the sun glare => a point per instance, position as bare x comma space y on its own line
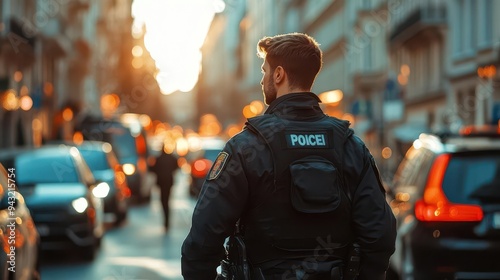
175, 32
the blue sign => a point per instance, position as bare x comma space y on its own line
495, 116
362, 108
392, 90
36, 96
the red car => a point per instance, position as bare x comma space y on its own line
202, 161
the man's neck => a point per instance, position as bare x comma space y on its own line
284, 91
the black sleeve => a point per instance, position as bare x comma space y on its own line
373, 221
219, 206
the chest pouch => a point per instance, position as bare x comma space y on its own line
315, 185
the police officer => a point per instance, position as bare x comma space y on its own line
301, 184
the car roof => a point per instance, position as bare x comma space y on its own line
457, 143
13, 152
9, 157
42, 150
50, 150
87, 145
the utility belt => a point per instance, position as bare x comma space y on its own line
237, 267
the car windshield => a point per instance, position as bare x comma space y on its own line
123, 143
47, 169
96, 160
473, 178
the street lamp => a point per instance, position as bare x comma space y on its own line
331, 99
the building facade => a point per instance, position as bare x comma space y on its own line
57, 58
404, 67
473, 60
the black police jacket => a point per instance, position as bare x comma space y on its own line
243, 175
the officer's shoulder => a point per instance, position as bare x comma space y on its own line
243, 136
341, 124
357, 145
262, 119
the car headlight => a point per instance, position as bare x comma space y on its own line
80, 204
128, 168
101, 190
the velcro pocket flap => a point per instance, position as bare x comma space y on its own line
314, 185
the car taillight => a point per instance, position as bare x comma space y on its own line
435, 206
142, 165
141, 146
121, 184
200, 167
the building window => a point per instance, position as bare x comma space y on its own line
429, 70
485, 24
366, 4
30, 9
488, 19
368, 57
458, 23
468, 110
468, 23
465, 28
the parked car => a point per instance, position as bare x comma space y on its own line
129, 148
105, 167
446, 198
19, 237
63, 196
202, 161
4, 266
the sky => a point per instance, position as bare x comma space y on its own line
175, 32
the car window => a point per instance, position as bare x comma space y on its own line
96, 160
83, 169
411, 175
473, 177
425, 161
48, 169
406, 175
123, 142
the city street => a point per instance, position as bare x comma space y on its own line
98, 99
138, 250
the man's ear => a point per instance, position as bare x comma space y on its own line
279, 74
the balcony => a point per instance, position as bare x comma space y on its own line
413, 17
372, 81
17, 43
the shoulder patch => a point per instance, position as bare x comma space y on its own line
219, 164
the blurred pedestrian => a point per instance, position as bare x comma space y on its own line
305, 190
164, 168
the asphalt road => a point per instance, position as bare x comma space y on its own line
140, 249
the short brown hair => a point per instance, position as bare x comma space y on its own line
299, 54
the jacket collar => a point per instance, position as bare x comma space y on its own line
300, 104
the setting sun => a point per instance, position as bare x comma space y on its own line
175, 32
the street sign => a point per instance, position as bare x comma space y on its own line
495, 116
